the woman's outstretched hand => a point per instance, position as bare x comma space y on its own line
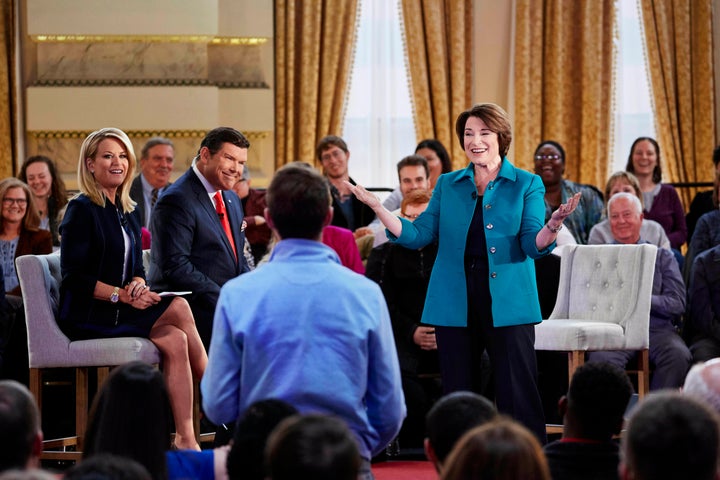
368, 198
564, 210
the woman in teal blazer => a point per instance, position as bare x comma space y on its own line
488, 222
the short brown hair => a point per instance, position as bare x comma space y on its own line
330, 141
496, 119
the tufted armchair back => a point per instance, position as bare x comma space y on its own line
608, 284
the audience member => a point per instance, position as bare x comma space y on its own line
21, 436
348, 211
197, 230
702, 320
703, 382
703, 201
592, 413
343, 242
20, 234
488, 221
48, 191
246, 458
550, 166
413, 175
105, 466
500, 450
302, 326
437, 157
670, 436
650, 230
156, 166
668, 353
403, 275
707, 229
103, 292
130, 417
660, 200
450, 418
253, 202
318, 447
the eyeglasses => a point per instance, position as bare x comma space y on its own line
539, 158
21, 202
409, 216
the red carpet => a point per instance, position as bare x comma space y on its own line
404, 470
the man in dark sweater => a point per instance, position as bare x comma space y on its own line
592, 413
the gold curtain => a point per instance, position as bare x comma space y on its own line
563, 83
438, 40
313, 54
8, 89
678, 35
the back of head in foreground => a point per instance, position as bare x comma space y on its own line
319, 447
450, 418
499, 450
131, 417
20, 434
596, 402
298, 202
246, 458
106, 466
671, 436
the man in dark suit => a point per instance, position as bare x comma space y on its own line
156, 165
191, 249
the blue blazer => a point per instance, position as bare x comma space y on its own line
513, 212
190, 250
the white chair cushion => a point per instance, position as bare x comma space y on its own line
569, 335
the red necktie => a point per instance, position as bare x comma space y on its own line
222, 213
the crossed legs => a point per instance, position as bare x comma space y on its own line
184, 357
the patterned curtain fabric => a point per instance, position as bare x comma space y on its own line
438, 40
678, 35
313, 54
8, 90
563, 83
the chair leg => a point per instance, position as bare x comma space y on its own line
576, 359
643, 373
196, 410
81, 405
36, 386
102, 374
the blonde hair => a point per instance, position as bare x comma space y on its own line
31, 219
86, 180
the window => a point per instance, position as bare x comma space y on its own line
378, 125
633, 113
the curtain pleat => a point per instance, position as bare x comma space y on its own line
314, 44
563, 83
438, 40
8, 90
678, 36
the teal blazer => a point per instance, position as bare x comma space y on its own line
514, 212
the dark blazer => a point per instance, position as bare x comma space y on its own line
703, 316
92, 249
136, 193
190, 250
38, 242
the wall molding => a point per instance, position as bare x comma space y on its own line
75, 134
208, 39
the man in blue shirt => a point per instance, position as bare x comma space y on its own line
304, 329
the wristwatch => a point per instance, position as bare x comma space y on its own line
114, 297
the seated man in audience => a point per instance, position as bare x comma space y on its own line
305, 329
671, 436
592, 412
404, 274
668, 353
703, 382
348, 211
702, 322
317, 447
450, 418
253, 203
703, 201
20, 434
156, 165
413, 172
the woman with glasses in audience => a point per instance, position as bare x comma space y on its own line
20, 234
550, 166
48, 191
103, 291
